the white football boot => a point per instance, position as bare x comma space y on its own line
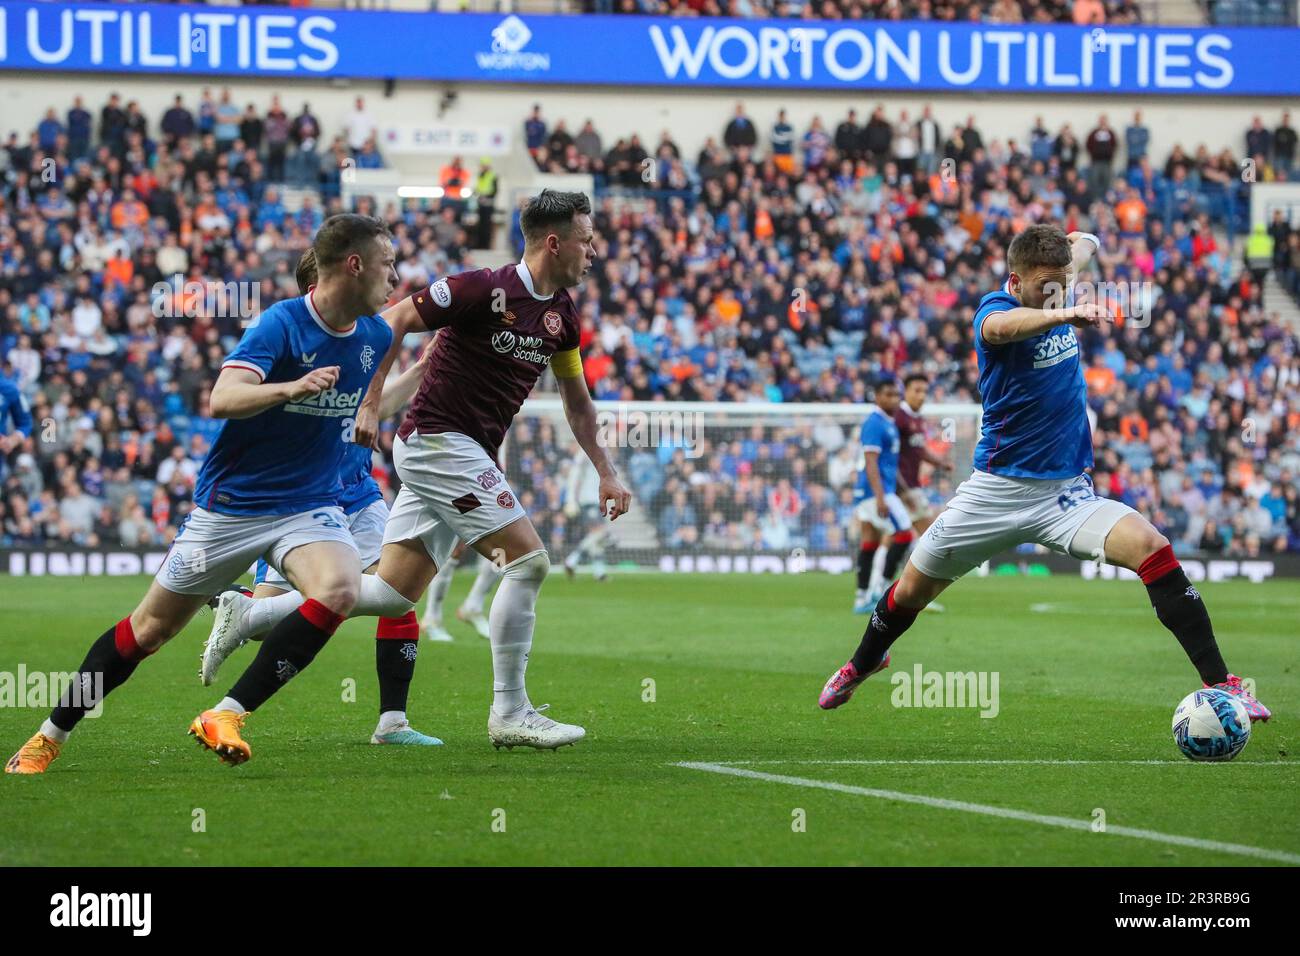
434, 631
528, 728
225, 637
476, 619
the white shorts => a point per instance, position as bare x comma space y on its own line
450, 489
898, 520
367, 527
989, 514
918, 505
211, 550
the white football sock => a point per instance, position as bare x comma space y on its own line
229, 703
438, 590
57, 734
265, 613
391, 720
510, 624
378, 598
488, 573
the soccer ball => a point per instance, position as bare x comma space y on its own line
1211, 725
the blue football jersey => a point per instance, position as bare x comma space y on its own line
1035, 401
289, 458
880, 434
360, 490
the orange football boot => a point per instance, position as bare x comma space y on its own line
218, 731
34, 756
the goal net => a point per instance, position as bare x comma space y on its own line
717, 487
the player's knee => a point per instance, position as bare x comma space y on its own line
340, 595
151, 631
532, 567
1152, 541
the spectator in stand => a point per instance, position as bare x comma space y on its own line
177, 123
359, 126
740, 131
1137, 140
1284, 143
783, 144
227, 117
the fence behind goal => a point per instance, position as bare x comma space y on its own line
716, 486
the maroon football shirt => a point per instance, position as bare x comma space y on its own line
498, 337
911, 440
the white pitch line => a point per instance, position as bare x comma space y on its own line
998, 763
941, 803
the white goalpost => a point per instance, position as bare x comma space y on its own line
717, 486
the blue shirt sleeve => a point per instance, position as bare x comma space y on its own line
873, 434
997, 302
264, 343
17, 406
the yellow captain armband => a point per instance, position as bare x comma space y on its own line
567, 364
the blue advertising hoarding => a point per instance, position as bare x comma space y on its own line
647, 51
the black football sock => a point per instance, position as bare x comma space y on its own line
894, 556
1179, 607
397, 642
888, 622
866, 558
109, 662
289, 647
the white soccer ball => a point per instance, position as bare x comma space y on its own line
1211, 724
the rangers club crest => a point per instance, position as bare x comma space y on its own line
367, 358
552, 322
506, 500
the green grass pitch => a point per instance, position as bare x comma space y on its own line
736, 664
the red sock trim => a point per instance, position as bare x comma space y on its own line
870, 547
895, 607
903, 537
125, 642
1158, 565
320, 616
404, 628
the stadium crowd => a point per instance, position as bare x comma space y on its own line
774, 267
1001, 11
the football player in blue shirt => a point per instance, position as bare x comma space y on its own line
879, 508
1030, 481
268, 488
241, 617
13, 407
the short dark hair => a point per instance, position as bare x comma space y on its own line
887, 381
306, 271
1039, 245
914, 377
342, 235
551, 211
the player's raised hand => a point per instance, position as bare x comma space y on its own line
615, 499
1087, 314
314, 382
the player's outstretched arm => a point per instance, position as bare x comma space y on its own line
241, 393
1017, 324
403, 319
407, 384
580, 410
1083, 246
